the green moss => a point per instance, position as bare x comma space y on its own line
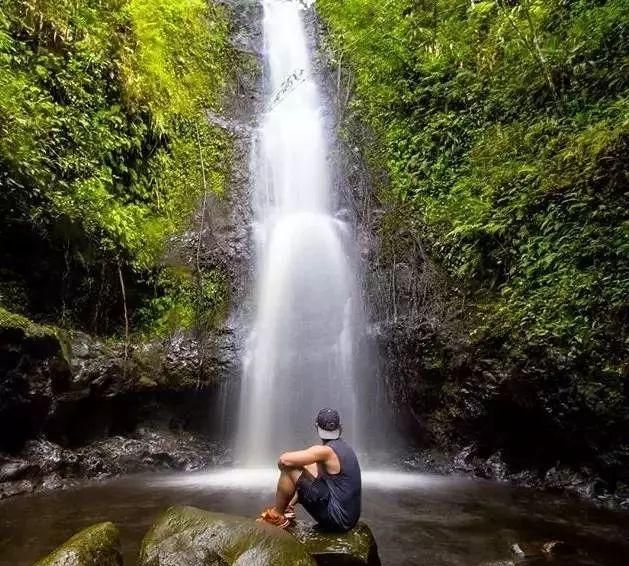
105, 148
182, 534
32, 330
10, 320
356, 547
98, 544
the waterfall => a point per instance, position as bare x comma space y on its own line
302, 350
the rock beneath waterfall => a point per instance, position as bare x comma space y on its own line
187, 536
98, 545
354, 548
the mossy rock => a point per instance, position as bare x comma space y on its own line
98, 545
49, 340
187, 536
353, 548
9, 320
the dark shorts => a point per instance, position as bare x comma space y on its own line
314, 496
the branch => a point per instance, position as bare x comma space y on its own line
126, 317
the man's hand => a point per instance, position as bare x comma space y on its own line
302, 458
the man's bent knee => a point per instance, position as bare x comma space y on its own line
295, 473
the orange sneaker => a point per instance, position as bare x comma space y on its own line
272, 517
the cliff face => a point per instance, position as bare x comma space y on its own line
498, 399
76, 389
75, 405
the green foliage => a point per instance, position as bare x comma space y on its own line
504, 129
103, 133
190, 301
178, 65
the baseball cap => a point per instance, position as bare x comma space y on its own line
328, 424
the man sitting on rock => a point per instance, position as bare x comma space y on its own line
324, 478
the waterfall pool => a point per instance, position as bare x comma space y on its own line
418, 519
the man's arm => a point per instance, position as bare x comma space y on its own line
302, 458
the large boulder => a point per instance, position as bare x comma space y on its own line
353, 548
33, 368
98, 545
186, 536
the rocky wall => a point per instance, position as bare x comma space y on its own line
73, 405
462, 401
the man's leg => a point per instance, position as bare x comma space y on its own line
287, 485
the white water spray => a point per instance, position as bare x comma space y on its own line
301, 352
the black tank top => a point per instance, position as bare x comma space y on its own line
345, 487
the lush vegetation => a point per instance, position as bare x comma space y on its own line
503, 127
104, 154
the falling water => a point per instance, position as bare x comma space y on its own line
302, 348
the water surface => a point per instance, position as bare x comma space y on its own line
417, 519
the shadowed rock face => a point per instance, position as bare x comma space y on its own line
186, 536
78, 408
96, 545
33, 368
84, 390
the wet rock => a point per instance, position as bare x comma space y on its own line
557, 548
11, 470
583, 484
83, 390
493, 468
526, 478
33, 366
187, 536
551, 548
46, 455
147, 450
94, 465
52, 482
426, 461
462, 462
354, 548
182, 359
98, 545
11, 489
101, 413
48, 466
180, 362
527, 549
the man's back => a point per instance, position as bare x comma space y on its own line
345, 487
324, 479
